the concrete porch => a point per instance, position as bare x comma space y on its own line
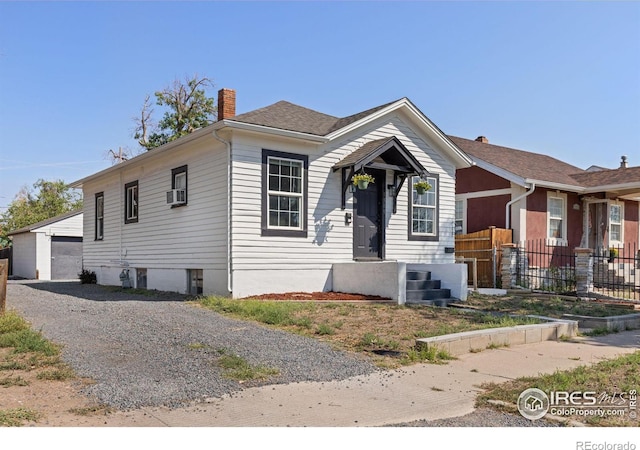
402, 282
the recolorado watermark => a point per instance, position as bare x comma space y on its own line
534, 404
589, 445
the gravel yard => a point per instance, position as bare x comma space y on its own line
161, 351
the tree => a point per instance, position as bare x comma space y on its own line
45, 200
122, 155
187, 109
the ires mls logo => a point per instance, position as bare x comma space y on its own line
533, 403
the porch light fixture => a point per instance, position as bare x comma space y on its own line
392, 190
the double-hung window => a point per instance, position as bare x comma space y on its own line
179, 185
131, 202
459, 225
99, 223
284, 194
615, 224
556, 219
423, 211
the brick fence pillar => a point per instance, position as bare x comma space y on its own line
584, 271
508, 270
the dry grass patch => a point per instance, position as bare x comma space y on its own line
385, 333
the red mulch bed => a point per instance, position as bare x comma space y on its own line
319, 296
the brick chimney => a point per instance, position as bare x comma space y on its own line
482, 139
226, 104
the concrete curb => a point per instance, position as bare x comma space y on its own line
473, 341
619, 323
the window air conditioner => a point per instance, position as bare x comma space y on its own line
176, 197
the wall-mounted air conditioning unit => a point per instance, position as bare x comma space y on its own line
176, 197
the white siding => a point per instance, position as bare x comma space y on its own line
167, 241
329, 239
43, 255
24, 255
187, 237
71, 226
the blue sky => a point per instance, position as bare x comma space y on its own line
560, 78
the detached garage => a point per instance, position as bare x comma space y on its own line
49, 250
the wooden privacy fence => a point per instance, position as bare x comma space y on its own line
483, 249
7, 253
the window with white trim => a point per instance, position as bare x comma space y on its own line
423, 214
131, 202
284, 194
616, 214
556, 219
459, 224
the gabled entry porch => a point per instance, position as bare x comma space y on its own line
389, 162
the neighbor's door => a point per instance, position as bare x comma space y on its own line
368, 229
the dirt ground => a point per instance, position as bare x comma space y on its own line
57, 403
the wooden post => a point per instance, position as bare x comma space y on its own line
4, 273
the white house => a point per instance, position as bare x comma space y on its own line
262, 202
49, 250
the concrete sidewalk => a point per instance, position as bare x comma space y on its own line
424, 391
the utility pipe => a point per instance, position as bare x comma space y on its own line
517, 199
229, 197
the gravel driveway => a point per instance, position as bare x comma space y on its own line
161, 350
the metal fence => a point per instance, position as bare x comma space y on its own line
616, 272
546, 268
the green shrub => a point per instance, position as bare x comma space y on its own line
11, 322
25, 341
87, 277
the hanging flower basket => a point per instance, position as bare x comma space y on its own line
421, 187
362, 180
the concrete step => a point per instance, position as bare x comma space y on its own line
416, 285
443, 302
418, 275
428, 294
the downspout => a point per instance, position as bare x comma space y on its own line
517, 199
229, 197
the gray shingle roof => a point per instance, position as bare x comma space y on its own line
288, 116
361, 153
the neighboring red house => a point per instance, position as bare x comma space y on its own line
540, 197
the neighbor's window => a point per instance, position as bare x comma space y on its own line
99, 216
284, 194
179, 181
459, 218
423, 211
131, 202
615, 223
556, 219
